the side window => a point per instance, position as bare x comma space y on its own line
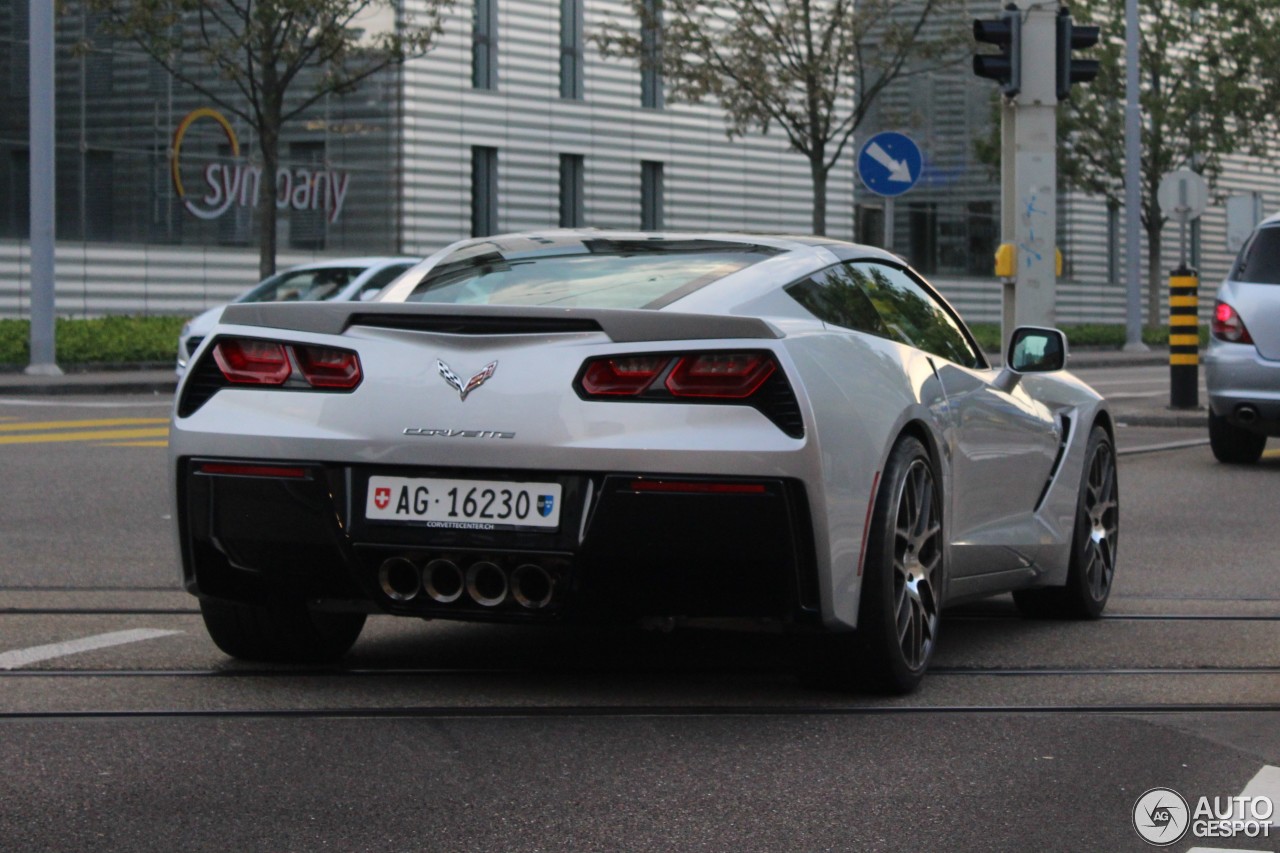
835, 296
912, 314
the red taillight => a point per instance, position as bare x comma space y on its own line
732, 375
325, 367
249, 361
622, 377
245, 361
1227, 325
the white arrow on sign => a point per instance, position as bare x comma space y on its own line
898, 169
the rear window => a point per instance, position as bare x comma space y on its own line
585, 273
1259, 260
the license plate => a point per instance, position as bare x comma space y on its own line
464, 504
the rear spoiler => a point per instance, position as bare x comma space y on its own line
620, 325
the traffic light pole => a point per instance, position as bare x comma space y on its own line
1035, 68
1029, 175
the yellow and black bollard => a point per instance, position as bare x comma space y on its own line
1184, 339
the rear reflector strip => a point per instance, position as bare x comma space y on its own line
695, 487
251, 470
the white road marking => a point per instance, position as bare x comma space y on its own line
24, 657
1265, 784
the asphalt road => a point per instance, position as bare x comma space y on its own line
1027, 735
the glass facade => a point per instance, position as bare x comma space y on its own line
141, 158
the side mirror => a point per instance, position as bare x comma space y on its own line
1032, 349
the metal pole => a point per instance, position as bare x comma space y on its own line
42, 190
888, 223
1132, 187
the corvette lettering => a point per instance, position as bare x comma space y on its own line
459, 433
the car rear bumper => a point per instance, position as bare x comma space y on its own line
627, 545
1243, 387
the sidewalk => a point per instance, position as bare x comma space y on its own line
152, 379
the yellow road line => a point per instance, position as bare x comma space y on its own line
105, 422
135, 444
86, 435
1271, 454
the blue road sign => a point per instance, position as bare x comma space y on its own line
890, 163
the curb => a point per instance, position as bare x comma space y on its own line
1192, 419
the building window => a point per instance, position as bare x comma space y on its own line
651, 55
870, 225
650, 196
97, 202
308, 223
18, 210
571, 193
1113, 241
571, 49
484, 45
922, 233
484, 191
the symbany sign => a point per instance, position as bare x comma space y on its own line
890, 163
239, 183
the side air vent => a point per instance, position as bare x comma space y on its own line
476, 325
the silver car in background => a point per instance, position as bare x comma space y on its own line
339, 280
1242, 365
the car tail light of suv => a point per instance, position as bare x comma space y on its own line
1227, 325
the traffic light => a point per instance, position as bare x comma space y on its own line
1070, 69
1005, 33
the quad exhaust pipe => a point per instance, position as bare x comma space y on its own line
486, 584
443, 581
400, 579
532, 586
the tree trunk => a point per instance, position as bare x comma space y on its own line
819, 174
269, 145
1155, 275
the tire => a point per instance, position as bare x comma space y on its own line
1095, 537
281, 633
1232, 444
904, 576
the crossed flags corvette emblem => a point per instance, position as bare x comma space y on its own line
472, 384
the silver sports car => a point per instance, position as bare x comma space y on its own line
573, 426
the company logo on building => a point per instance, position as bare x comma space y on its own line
239, 183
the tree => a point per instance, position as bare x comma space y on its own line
1199, 102
810, 67
280, 57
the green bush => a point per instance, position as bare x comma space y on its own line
1086, 335
103, 340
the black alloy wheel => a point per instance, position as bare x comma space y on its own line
1094, 542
